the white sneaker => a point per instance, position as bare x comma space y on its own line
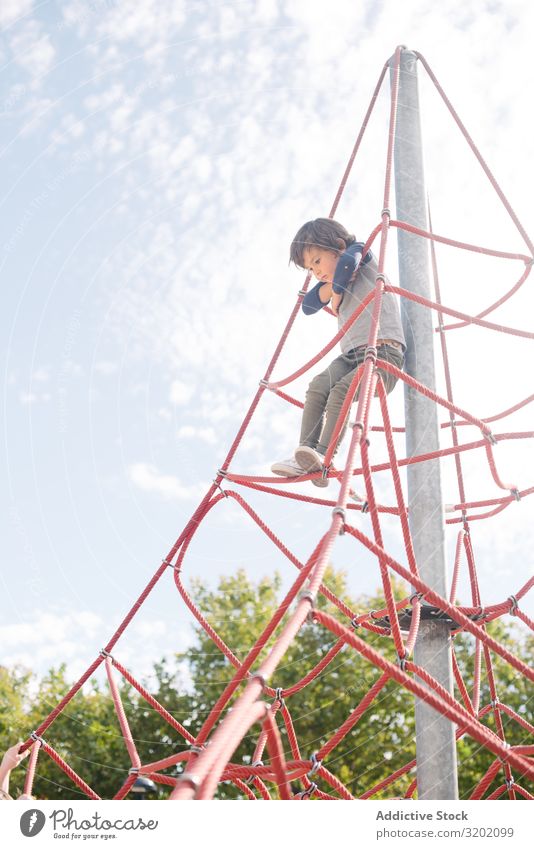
287, 468
311, 461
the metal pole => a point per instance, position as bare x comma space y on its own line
435, 739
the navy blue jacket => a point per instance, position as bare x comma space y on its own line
345, 268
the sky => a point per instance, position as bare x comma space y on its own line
158, 157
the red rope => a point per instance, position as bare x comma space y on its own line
30, 773
123, 721
153, 702
69, 771
478, 155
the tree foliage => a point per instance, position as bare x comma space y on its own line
88, 737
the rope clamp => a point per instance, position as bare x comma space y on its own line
381, 277
480, 615
191, 779
134, 770
222, 472
340, 511
35, 737
365, 507
515, 493
279, 697
169, 564
301, 292
509, 783
401, 662
354, 622
104, 653
386, 211
316, 765
260, 678
253, 777
307, 594
489, 436
357, 424
264, 383
513, 608
219, 487
416, 595
196, 750
307, 793
370, 353
494, 703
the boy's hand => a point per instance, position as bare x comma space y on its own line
335, 303
12, 758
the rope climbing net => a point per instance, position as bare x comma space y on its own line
272, 771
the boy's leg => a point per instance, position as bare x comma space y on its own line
333, 407
391, 355
339, 392
317, 398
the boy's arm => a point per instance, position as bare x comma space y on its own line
346, 268
10, 760
316, 298
337, 297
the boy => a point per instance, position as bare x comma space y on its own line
334, 257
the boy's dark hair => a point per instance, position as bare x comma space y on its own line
320, 233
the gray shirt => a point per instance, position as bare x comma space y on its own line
390, 326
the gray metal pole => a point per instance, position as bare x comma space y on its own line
435, 740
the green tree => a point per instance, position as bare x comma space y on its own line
512, 688
382, 740
88, 736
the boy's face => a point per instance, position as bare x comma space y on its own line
321, 262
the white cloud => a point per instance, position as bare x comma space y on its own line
28, 397
47, 630
41, 374
205, 434
11, 10
36, 111
105, 367
76, 636
180, 393
110, 96
146, 477
32, 49
150, 628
